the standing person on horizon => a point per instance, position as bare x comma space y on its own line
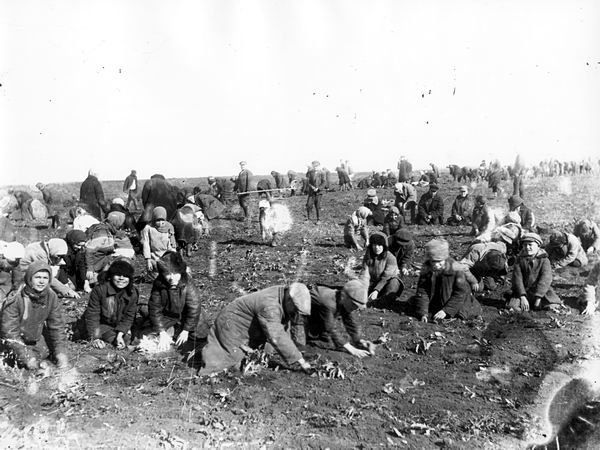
92, 195
130, 187
243, 186
404, 170
316, 185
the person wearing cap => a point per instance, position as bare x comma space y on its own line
10, 256
112, 307
483, 220
356, 227
462, 208
381, 268
431, 207
402, 246
255, 319
32, 323
510, 234
404, 170
442, 290
378, 212
564, 249
173, 308
157, 238
393, 221
405, 195
589, 298
52, 253
515, 203
243, 185
532, 277
328, 305
91, 195
130, 187
316, 184
74, 271
485, 263
50, 196
588, 233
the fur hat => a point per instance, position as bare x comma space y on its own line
363, 212
378, 238
356, 290
121, 267
171, 262
57, 247
13, 251
515, 201
159, 213
532, 237
300, 298
437, 250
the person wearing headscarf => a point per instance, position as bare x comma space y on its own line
431, 207
588, 233
462, 208
255, 319
174, 304
327, 306
532, 277
381, 268
564, 249
442, 289
158, 237
356, 226
50, 199
32, 324
74, 270
91, 195
393, 221
112, 307
515, 203
10, 256
402, 246
52, 253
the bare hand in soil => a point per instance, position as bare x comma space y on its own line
373, 295
164, 341
98, 343
62, 361
589, 309
441, 314
182, 338
72, 294
424, 319
120, 341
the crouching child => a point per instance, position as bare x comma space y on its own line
112, 307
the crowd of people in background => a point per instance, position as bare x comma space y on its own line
96, 259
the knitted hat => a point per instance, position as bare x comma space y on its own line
118, 201
159, 213
75, 237
363, 212
300, 298
437, 250
57, 247
403, 237
356, 290
371, 193
515, 201
35, 267
531, 237
14, 250
171, 262
121, 267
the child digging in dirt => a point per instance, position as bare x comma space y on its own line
532, 276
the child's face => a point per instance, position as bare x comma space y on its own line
173, 278
120, 281
438, 265
531, 248
40, 280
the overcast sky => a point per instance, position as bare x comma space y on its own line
191, 88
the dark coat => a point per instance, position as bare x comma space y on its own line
431, 205
92, 195
211, 207
107, 306
527, 219
181, 303
244, 180
326, 308
390, 225
532, 277
158, 192
404, 171
129, 181
381, 268
403, 251
462, 206
447, 290
316, 182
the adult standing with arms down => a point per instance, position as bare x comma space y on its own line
242, 186
130, 187
316, 185
92, 195
404, 170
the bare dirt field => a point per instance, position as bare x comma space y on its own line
479, 384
